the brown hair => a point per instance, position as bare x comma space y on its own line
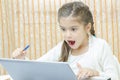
82, 13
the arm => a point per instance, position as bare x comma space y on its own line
53, 54
107, 63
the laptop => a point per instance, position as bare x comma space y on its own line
34, 70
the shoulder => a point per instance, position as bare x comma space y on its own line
101, 47
59, 45
99, 42
57, 48
53, 54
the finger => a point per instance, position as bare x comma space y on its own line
79, 66
79, 72
23, 53
87, 74
79, 76
17, 53
83, 76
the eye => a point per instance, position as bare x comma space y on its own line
63, 29
73, 29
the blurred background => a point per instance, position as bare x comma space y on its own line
34, 22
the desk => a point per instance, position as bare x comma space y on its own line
5, 77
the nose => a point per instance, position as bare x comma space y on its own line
68, 34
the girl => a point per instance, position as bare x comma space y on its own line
87, 55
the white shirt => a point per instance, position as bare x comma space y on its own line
99, 57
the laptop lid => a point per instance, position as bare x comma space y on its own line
34, 70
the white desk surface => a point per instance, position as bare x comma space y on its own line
5, 77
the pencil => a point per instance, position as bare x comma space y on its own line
26, 47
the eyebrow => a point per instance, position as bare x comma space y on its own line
70, 27
74, 26
60, 26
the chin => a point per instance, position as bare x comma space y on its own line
73, 47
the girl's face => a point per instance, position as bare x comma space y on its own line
74, 32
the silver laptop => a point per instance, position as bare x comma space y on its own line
33, 70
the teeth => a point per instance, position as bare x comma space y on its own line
71, 42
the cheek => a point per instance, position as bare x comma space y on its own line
77, 35
80, 37
64, 36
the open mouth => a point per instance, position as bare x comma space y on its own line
71, 42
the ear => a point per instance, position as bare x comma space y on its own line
88, 27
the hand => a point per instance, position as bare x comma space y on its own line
18, 54
86, 72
